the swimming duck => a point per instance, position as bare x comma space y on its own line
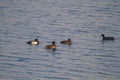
33, 42
68, 42
53, 46
107, 38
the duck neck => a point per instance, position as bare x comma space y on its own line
103, 37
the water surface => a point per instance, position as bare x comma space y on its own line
88, 58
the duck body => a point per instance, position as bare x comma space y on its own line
33, 42
52, 46
68, 42
107, 38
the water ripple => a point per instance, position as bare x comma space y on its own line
88, 58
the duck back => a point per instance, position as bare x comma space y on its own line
108, 38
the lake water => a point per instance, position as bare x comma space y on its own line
88, 58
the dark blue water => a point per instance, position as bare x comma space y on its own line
88, 58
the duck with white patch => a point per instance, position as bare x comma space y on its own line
33, 42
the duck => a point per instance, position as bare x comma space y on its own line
52, 46
68, 42
33, 42
107, 38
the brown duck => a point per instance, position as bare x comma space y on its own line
68, 42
